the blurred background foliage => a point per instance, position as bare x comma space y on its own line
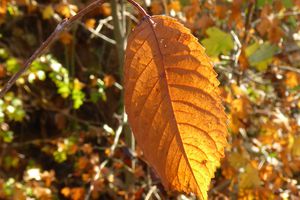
63, 133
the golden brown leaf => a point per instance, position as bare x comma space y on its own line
77, 193
237, 160
296, 147
250, 178
156, 7
47, 12
241, 107
66, 38
66, 191
235, 123
90, 23
109, 80
105, 9
297, 3
236, 14
3, 7
205, 22
174, 5
221, 11
66, 9
173, 106
292, 79
2, 11
191, 11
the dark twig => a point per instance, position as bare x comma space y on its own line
220, 187
139, 7
288, 68
251, 9
62, 26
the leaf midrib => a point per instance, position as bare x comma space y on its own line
150, 22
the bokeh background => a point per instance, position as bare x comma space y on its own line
63, 132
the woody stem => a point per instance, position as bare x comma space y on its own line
139, 7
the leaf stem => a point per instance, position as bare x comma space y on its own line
139, 7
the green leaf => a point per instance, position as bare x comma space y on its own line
78, 95
8, 187
294, 89
78, 98
19, 115
217, 42
38, 65
7, 136
261, 3
16, 102
48, 12
60, 156
12, 107
261, 56
94, 96
292, 21
287, 3
12, 65
184, 3
13, 10
63, 89
251, 49
41, 75
3, 53
2, 115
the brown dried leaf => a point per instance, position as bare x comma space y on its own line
221, 11
292, 79
205, 22
77, 193
156, 7
90, 23
173, 106
174, 5
66, 38
66, 191
109, 80
250, 178
105, 9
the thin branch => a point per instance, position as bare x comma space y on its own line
62, 26
118, 33
278, 15
95, 178
239, 48
104, 37
132, 17
220, 187
288, 68
139, 7
251, 9
103, 22
116, 140
151, 191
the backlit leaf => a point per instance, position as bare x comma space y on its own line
173, 106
